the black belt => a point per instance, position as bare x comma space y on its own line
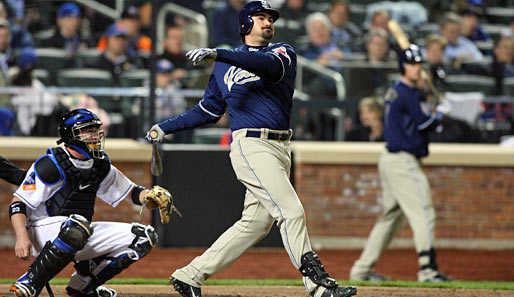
271, 135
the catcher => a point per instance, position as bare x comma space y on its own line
52, 212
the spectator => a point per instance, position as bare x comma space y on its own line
67, 35
115, 58
145, 11
168, 102
344, 33
20, 37
6, 56
291, 22
130, 20
321, 47
371, 110
174, 52
503, 60
434, 52
224, 24
35, 104
458, 48
471, 28
377, 46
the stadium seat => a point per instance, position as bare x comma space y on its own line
477, 67
134, 78
52, 59
85, 56
508, 86
494, 31
500, 15
42, 75
85, 77
471, 83
427, 29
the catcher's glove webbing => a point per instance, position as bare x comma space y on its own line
159, 197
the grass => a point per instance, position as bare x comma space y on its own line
485, 285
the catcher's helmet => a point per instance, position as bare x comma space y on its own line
88, 144
410, 55
245, 15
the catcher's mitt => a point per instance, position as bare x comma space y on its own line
159, 197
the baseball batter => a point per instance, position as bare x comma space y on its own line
51, 214
256, 83
405, 187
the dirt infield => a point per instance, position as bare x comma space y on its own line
253, 291
275, 264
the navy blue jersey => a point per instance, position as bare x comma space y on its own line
255, 83
405, 123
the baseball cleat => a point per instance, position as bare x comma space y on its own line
340, 292
370, 275
184, 289
432, 276
23, 290
99, 292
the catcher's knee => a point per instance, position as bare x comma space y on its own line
75, 231
146, 238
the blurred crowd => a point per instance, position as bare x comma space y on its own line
468, 46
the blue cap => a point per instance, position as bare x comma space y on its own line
164, 65
116, 30
27, 58
68, 10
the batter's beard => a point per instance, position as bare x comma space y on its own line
267, 36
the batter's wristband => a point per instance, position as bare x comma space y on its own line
135, 194
17, 207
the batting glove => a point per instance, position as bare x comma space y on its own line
202, 56
160, 134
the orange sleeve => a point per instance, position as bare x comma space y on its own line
144, 43
102, 43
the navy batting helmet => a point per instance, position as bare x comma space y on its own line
410, 55
253, 7
70, 129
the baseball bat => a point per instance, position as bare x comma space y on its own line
156, 164
403, 42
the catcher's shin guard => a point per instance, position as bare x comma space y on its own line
118, 264
55, 255
312, 268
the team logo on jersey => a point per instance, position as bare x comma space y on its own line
30, 182
238, 76
282, 51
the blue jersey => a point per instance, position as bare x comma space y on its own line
406, 126
255, 83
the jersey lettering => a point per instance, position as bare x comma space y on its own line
238, 76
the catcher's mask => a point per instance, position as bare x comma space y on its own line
79, 129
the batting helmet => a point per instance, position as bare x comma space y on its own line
410, 55
253, 7
70, 130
